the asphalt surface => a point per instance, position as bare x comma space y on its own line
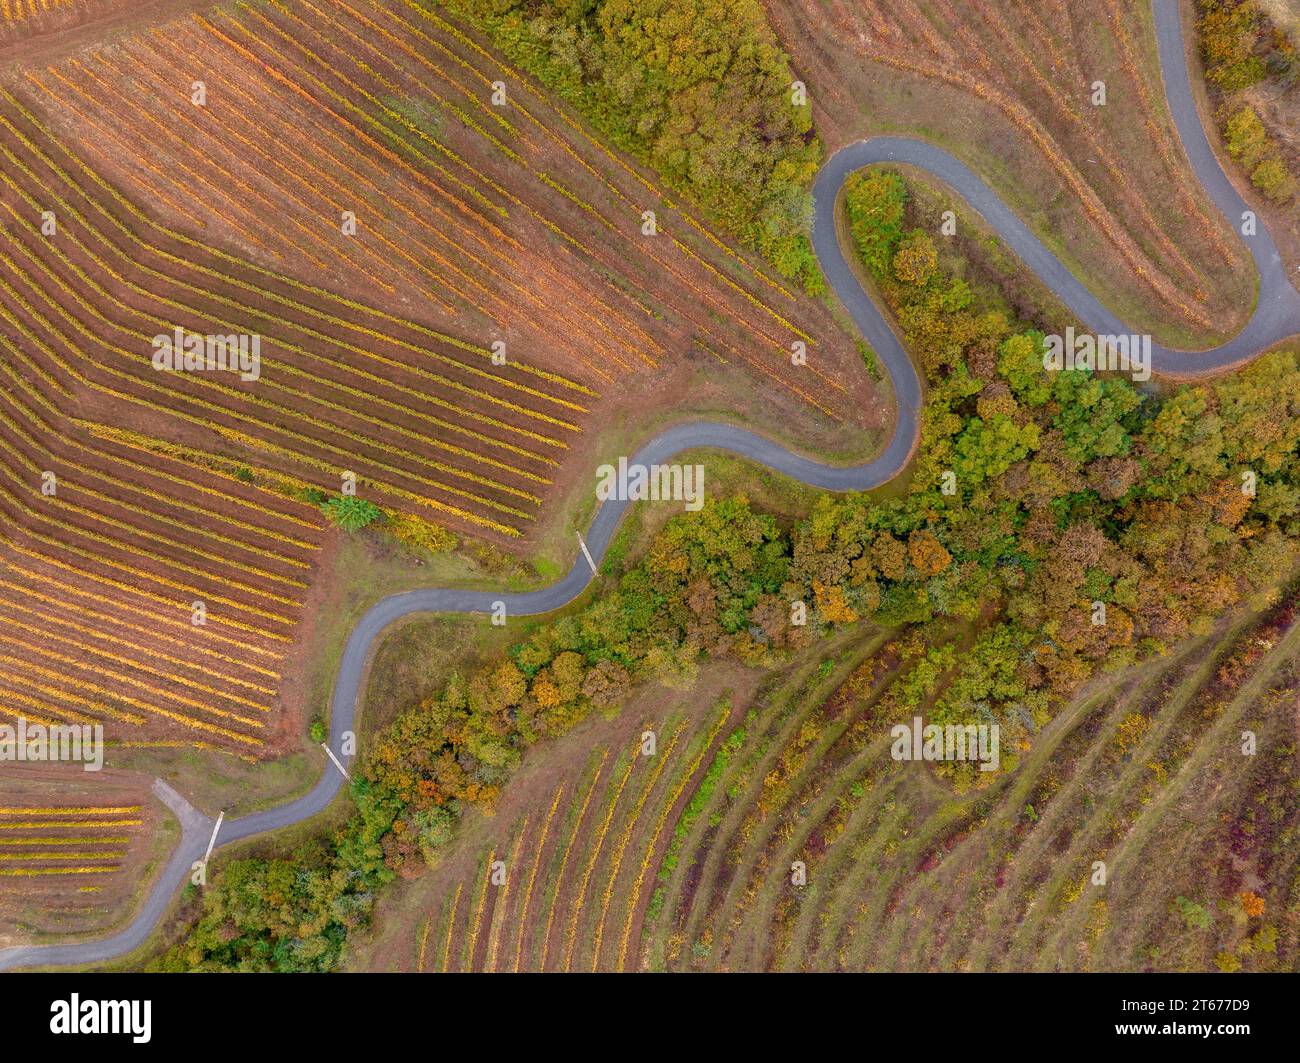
1276, 317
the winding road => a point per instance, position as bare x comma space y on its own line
1276, 317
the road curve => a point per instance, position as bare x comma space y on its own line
1276, 317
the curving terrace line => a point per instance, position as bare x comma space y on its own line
1276, 317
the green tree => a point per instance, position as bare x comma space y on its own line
916, 259
874, 203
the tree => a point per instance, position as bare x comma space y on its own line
1020, 363
873, 202
927, 554
606, 684
916, 259
1273, 179
1228, 39
699, 89
1247, 140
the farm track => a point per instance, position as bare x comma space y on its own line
1276, 317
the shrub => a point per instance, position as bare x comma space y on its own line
874, 202
916, 259
418, 533
350, 512
1271, 178
1247, 140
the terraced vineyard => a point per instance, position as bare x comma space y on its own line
23, 20
688, 861
78, 848
1145, 774
99, 580
15, 12
321, 402
111, 528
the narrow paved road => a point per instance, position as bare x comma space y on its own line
1276, 317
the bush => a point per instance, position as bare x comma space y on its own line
916, 259
419, 533
1247, 140
1231, 43
351, 513
1250, 144
1271, 178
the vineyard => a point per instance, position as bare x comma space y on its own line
477, 206
453, 355
101, 571
686, 861
21, 19
13, 12
68, 865
23, 10
1011, 85
574, 870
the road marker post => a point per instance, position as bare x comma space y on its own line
213, 840
335, 759
587, 554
